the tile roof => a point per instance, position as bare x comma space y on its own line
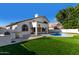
25, 20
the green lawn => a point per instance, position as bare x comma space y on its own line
45, 46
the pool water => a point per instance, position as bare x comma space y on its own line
62, 34
56, 34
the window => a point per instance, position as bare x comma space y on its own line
43, 29
7, 33
45, 22
10, 27
24, 27
34, 29
55, 27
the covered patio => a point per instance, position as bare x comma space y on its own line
39, 28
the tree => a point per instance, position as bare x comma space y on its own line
69, 17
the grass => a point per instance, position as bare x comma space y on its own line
44, 46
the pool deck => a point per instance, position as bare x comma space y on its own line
38, 36
49, 35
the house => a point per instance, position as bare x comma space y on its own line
36, 25
20, 31
59, 25
53, 26
2, 28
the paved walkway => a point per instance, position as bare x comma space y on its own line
34, 37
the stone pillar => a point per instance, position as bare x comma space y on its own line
36, 30
46, 30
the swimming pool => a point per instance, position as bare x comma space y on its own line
62, 34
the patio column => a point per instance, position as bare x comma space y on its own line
36, 31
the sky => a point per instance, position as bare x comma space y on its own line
14, 12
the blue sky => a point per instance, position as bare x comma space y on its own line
10, 13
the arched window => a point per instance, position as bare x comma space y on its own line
24, 27
7, 33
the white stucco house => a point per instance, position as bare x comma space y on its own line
21, 30
35, 26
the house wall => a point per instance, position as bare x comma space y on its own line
41, 19
7, 39
18, 28
34, 24
51, 26
43, 25
7, 27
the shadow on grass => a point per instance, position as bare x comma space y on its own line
15, 49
